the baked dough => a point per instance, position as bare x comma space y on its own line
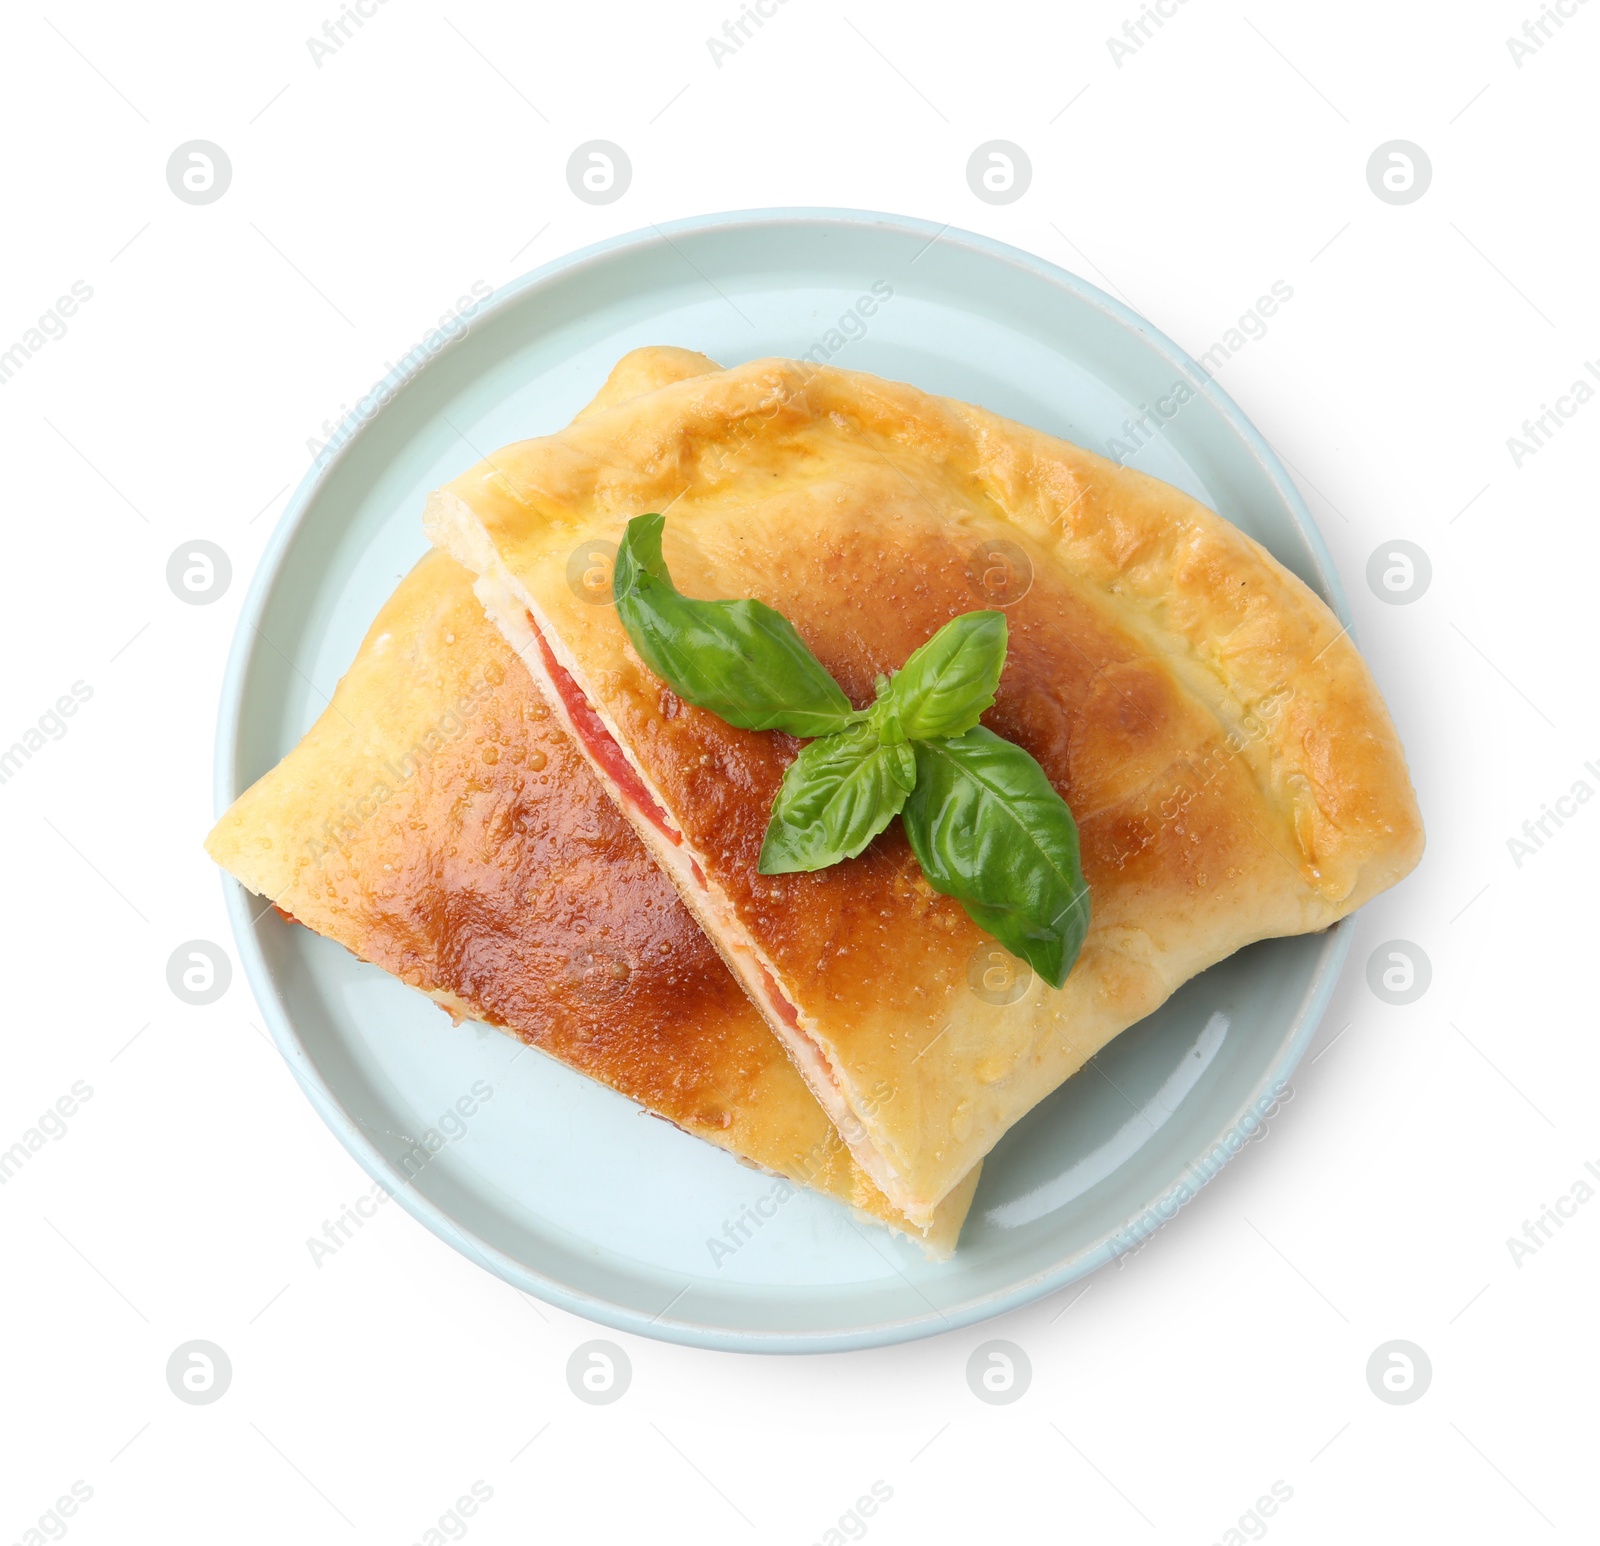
1232, 767
438, 822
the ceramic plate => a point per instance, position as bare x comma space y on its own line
558, 1185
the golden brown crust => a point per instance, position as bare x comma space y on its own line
1232, 766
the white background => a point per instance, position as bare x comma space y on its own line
368, 193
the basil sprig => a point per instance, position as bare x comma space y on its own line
981, 816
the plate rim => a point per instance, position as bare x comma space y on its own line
228, 783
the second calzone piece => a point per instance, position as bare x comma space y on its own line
1232, 768
437, 822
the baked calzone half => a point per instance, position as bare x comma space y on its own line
438, 822
1230, 763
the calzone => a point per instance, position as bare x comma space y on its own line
438, 822
1232, 768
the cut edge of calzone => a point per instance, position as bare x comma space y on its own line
538, 644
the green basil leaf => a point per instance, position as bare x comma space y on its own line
902, 763
947, 684
989, 829
836, 796
739, 659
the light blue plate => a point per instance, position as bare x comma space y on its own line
558, 1185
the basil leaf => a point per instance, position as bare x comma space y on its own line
947, 684
739, 659
989, 829
836, 796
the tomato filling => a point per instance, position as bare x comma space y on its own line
601, 744
781, 1006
